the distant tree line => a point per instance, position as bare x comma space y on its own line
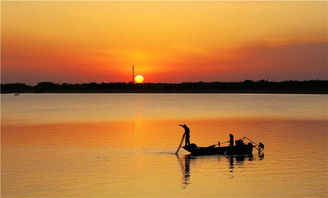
247, 86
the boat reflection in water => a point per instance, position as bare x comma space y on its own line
239, 159
188, 161
184, 161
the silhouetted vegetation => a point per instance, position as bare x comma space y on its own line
248, 86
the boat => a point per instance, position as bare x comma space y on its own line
239, 149
216, 150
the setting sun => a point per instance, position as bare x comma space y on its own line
139, 78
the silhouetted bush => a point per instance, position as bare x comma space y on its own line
247, 86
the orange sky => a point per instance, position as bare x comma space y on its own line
166, 41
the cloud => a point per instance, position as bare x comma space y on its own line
276, 61
295, 60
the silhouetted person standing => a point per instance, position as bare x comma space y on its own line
231, 140
187, 133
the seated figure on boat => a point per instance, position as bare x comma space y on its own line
231, 142
187, 134
240, 142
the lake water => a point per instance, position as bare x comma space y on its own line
122, 145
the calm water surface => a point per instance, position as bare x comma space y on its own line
122, 145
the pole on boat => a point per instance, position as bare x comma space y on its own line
183, 136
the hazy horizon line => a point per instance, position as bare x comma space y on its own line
181, 82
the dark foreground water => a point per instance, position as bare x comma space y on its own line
122, 145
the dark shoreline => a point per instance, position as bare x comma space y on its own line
246, 87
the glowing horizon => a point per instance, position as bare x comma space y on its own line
167, 41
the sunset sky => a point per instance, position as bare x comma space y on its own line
166, 41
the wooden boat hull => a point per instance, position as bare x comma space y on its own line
226, 150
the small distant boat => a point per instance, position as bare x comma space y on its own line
239, 149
